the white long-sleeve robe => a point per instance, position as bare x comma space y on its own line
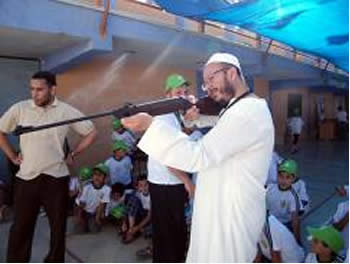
232, 162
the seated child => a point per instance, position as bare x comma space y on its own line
282, 201
138, 211
120, 165
75, 186
340, 221
116, 207
326, 243
277, 244
93, 201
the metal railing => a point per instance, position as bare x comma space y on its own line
272, 46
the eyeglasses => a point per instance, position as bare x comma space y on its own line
211, 78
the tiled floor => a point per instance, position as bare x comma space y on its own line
323, 165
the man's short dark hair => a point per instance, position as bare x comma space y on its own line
49, 77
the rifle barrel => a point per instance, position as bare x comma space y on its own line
157, 107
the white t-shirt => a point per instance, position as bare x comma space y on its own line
126, 136
145, 200
282, 240
280, 203
300, 187
342, 116
342, 210
74, 184
296, 124
158, 173
119, 170
273, 169
94, 197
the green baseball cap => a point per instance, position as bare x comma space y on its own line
85, 173
116, 123
289, 166
329, 235
175, 81
102, 168
118, 212
120, 145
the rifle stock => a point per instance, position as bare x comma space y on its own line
158, 107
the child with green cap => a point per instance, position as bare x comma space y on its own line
120, 165
326, 243
93, 200
75, 186
282, 200
138, 213
120, 133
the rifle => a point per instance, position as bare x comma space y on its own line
205, 104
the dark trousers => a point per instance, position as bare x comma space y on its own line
168, 222
52, 194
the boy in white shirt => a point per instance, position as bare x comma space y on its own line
282, 200
138, 206
120, 133
75, 186
120, 165
93, 200
277, 244
326, 243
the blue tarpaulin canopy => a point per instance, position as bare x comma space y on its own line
319, 27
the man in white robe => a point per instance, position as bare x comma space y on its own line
232, 162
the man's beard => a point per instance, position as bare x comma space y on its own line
48, 101
229, 92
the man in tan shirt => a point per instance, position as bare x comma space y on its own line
43, 176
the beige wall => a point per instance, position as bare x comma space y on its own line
280, 111
261, 87
102, 85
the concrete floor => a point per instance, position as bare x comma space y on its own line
323, 165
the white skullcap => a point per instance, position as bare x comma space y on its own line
226, 58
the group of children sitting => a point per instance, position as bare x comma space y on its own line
287, 202
108, 193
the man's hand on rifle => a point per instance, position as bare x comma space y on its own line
137, 123
192, 114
